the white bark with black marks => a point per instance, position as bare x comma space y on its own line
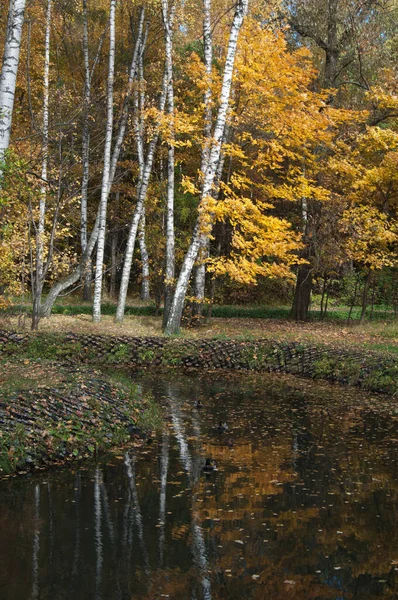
63, 284
200, 275
142, 190
9, 71
137, 54
174, 321
106, 169
38, 282
168, 24
85, 150
145, 294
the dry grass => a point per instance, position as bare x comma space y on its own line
379, 336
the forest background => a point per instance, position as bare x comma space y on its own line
199, 153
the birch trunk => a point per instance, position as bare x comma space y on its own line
9, 71
142, 189
71, 279
37, 287
200, 275
168, 23
138, 50
174, 321
139, 107
204, 250
107, 169
113, 269
145, 295
85, 153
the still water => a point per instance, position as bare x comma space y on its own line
303, 502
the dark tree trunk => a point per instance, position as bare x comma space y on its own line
365, 296
302, 294
36, 311
353, 301
324, 287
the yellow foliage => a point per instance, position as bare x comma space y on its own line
262, 245
372, 238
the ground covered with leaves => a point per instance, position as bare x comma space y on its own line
381, 335
51, 413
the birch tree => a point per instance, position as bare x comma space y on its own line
106, 176
9, 71
199, 235
168, 23
71, 279
200, 275
85, 147
40, 271
142, 189
139, 127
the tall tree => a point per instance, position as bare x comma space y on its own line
9, 71
142, 190
65, 283
106, 176
168, 24
200, 275
174, 320
337, 29
40, 269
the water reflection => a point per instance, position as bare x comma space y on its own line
303, 503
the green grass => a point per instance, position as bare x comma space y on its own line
335, 314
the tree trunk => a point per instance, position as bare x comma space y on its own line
9, 71
137, 54
326, 303
106, 180
302, 294
365, 297
85, 154
200, 274
174, 321
65, 283
142, 189
332, 51
37, 287
324, 286
353, 301
168, 22
145, 295
113, 269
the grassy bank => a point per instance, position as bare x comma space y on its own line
336, 314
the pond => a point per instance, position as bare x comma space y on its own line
299, 501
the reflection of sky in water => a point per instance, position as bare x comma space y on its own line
302, 503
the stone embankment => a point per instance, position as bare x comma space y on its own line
369, 370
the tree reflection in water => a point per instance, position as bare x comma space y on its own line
303, 503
